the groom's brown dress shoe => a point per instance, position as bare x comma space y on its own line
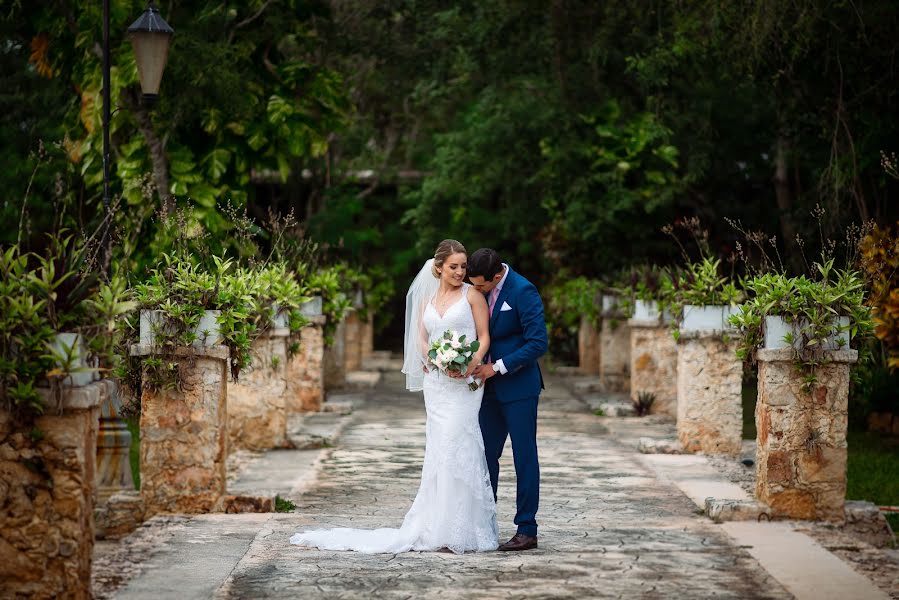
519, 542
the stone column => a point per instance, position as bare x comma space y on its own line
305, 373
335, 359
113, 448
184, 435
588, 347
614, 352
48, 486
368, 337
257, 413
352, 342
801, 457
709, 393
654, 363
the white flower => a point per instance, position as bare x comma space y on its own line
455, 344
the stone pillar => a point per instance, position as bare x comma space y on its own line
801, 457
113, 449
335, 359
614, 353
654, 364
709, 393
368, 337
184, 435
257, 413
305, 373
352, 342
588, 347
47, 487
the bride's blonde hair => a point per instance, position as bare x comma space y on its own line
445, 249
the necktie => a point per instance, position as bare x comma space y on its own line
494, 293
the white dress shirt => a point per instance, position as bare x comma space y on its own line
499, 287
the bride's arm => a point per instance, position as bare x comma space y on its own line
482, 325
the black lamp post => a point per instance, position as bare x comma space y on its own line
150, 35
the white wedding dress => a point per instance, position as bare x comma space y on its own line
454, 507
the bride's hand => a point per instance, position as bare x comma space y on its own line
472, 367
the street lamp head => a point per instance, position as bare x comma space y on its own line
150, 35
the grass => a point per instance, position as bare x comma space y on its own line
133, 424
873, 470
283, 505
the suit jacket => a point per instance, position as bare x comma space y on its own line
518, 337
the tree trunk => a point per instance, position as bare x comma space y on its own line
784, 196
157, 154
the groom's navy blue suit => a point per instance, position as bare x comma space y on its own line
509, 408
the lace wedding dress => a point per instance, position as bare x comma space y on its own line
454, 507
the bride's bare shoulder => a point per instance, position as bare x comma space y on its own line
475, 297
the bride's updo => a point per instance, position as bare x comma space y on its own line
445, 249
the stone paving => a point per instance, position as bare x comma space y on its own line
609, 528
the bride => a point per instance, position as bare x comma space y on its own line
454, 509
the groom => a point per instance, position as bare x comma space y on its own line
512, 382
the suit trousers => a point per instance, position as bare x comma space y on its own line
517, 419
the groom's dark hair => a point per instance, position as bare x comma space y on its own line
484, 262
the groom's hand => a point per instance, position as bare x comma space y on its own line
484, 372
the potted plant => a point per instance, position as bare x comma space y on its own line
808, 315
187, 306
651, 290
704, 300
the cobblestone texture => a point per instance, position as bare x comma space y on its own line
609, 528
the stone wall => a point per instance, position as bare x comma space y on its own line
184, 437
352, 342
588, 347
48, 486
305, 373
709, 394
614, 354
368, 337
654, 364
257, 414
801, 459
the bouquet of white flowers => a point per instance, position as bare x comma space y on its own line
451, 352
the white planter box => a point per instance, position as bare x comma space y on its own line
609, 303
776, 329
280, 319
647, 311
707, 318
207, 330
312, 308
65, 344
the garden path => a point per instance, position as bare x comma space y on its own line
610, 526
